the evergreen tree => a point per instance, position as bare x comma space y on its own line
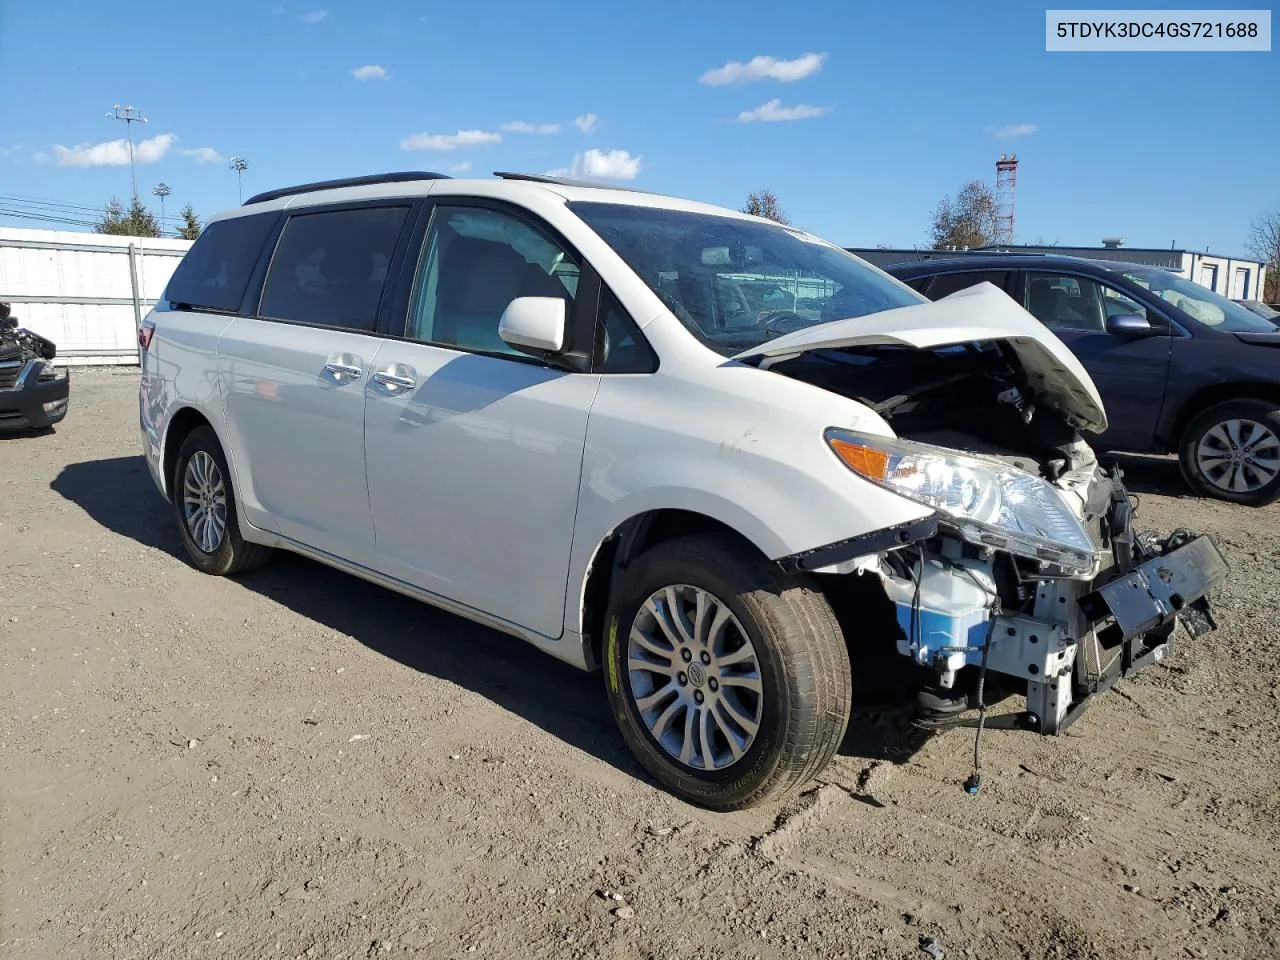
138, 222
190, 228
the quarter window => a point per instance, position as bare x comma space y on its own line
621, 347
475, 262
329, 268
216, 270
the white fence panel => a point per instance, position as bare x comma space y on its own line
85, 291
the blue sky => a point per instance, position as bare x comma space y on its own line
882, 108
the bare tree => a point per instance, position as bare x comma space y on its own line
969, 221
1264, 243
764, 203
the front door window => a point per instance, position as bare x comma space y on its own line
475, 263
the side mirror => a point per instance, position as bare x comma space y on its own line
535, 325
1129, 325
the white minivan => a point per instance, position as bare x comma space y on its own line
717, 457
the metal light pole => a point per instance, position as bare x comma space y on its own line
240, 165
130, 116
161, 190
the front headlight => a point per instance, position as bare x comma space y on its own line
45, 370
986, 501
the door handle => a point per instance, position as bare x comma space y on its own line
393, 380
343, 371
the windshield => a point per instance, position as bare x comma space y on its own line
736, 283
1260, 308
1200, 303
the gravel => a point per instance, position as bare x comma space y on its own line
113, 651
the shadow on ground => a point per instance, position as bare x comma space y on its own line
26, 433
565, 702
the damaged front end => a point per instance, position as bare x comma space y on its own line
33, 392
987, 623
1028, 578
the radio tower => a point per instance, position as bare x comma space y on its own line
1006, 188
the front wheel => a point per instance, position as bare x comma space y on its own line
729, 680
1232, 452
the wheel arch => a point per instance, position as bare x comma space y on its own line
181, 423
1210, 396
627, 541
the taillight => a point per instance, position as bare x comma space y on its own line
145, 332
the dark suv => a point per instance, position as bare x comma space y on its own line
1179, 367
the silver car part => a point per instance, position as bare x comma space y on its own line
695, 677
1239, 455
204, 501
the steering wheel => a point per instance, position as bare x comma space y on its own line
785, 321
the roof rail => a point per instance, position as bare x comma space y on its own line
372, 178
566, 181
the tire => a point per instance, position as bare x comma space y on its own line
802, 666
225, 553
1212, 430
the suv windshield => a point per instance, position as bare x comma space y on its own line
1200, 303
737, 283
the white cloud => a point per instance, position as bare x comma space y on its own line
114, 153
459, 168
315, 16
370, 71
601, 165
449, 141
765, 68
519, 126
277, 9
203, 154
1011, 130
10, 153
587, 123
774, 110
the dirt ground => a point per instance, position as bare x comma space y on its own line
298, 764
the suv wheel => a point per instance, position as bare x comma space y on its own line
206, 508
1232, 452
729, 680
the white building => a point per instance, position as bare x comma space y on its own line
1238, 278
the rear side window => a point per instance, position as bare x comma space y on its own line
949, 283
215, 271
329, 268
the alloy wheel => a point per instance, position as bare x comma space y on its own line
204, 501
1239, 455
695, 677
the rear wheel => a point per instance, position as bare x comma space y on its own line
729, 680
206, 508
1232, 452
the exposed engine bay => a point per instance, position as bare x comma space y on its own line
18, 343
33, 392
985, 616
969, 397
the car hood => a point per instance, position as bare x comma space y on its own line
1260, 338
980, 312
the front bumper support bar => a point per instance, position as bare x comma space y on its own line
1157, 590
